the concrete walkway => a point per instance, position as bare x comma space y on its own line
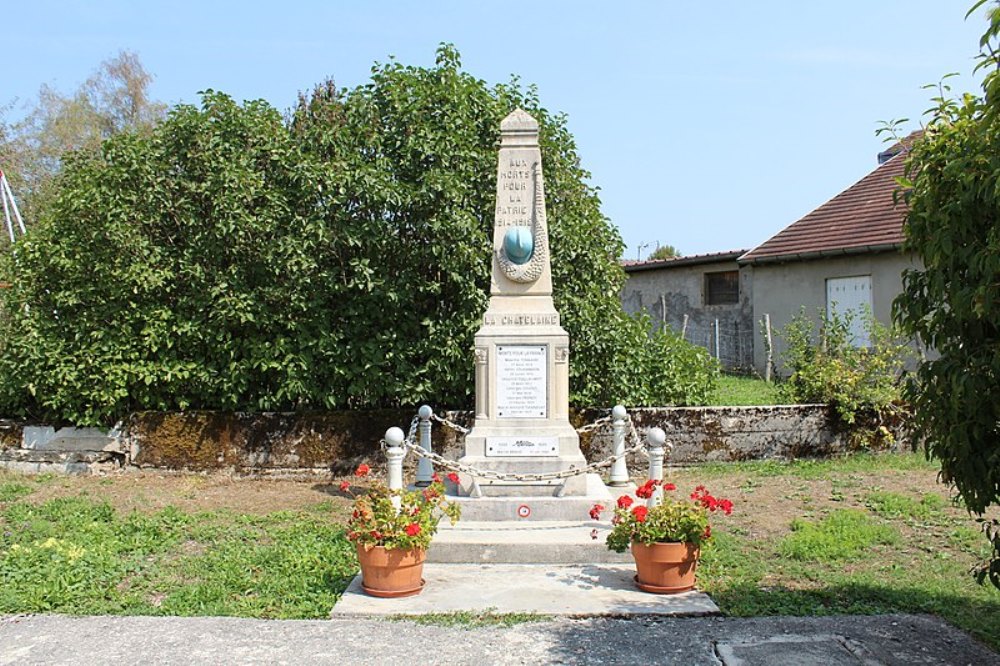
846, 640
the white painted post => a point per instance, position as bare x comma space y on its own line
425, 469
619, 469
684, 328
655, 440
394, 453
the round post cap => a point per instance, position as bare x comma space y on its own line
656, 437
425, 412
394, 436
618, 413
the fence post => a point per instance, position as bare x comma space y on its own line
394, 453
619, 469
767, 332
717, 356
425, 469
655, 438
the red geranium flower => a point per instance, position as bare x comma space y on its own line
453, 477
625, 501
413, 529
362, 470
726, 506
645, 491
640, 513
435, 478
344, 485
669, 486
595, 511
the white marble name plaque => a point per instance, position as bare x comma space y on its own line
522, 381
522, 446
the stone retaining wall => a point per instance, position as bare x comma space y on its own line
292, 444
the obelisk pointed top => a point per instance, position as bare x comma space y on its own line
519, 129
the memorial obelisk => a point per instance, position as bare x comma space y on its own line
522, 353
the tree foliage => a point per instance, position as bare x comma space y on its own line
663, 252
230, 259
952, 304
114, 99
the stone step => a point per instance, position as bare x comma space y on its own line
540, 508
574, 590
531, 542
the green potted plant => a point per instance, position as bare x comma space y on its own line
392, 542
665, 538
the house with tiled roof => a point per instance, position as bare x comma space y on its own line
846, 255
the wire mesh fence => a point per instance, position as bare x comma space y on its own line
728, 341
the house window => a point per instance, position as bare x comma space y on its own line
722, 288
851, 297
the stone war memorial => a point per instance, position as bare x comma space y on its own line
522, 353
529, 539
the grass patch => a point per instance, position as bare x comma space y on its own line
816, 468
79, 556
844, 534
472, 620
895, 505
12, 490
733, 391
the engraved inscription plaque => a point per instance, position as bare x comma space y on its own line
522, 381
522, 446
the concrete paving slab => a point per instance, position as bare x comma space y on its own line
802, 650
532, 542
577, 590
893, 640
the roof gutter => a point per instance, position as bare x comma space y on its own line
819, 254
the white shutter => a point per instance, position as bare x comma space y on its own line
851, 294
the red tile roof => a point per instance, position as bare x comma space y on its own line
862, 218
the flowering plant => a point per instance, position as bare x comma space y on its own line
671, 520
376, 522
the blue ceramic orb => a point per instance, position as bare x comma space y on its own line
518, 244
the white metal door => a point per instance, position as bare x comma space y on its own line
851, 294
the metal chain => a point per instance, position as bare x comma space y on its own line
595, 425
637, 446
451, 424
511, 476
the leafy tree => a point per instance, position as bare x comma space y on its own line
230, 260
663, 252
114, 99
952, 304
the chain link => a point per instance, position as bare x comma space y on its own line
451, 424
594, 426
512, 476
411, 444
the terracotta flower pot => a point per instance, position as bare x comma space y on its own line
391, 573
665, 568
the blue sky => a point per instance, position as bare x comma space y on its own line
708, 126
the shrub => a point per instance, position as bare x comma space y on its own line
862, 384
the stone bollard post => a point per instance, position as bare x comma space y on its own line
655, 440
425, 468
394, 453
619, 469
